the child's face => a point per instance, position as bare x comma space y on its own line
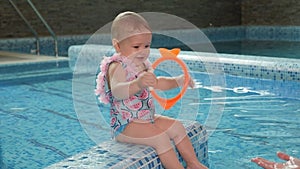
136, 47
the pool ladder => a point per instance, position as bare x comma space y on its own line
33, 31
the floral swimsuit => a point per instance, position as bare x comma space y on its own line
123, 111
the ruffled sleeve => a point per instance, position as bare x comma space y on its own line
101, 91
101, 80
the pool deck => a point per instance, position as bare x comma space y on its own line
15, 58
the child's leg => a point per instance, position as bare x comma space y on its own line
187, 152
149, 134
177, 132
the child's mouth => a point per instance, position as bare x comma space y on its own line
140, 58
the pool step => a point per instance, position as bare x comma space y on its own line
13, 73
116, 155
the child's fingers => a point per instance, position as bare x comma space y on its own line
148, 79
283, 156
192, 83
263, 163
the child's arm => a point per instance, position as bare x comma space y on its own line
166, 83
121, 88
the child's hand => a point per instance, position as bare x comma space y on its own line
147, 79
181, 80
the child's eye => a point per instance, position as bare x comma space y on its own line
136, 47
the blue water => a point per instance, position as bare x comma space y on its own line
280, 49
39, 125
256, 125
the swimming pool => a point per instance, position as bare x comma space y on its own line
283, 49
38, 118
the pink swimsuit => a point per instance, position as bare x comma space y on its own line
123, 111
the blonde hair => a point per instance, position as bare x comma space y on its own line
127, 24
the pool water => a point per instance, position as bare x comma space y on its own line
259, 122
282, 49
39, 125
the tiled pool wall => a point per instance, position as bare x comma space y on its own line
276, 33
85, 58
47, 47
250, 66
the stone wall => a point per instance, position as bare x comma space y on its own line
270, 12
68, 17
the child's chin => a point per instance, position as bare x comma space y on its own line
140, 59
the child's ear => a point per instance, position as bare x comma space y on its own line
115, 43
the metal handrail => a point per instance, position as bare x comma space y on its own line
47, 26
29, 26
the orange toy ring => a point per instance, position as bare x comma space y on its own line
171, 55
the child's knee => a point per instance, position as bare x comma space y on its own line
178, 131
161, 143
179, 126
